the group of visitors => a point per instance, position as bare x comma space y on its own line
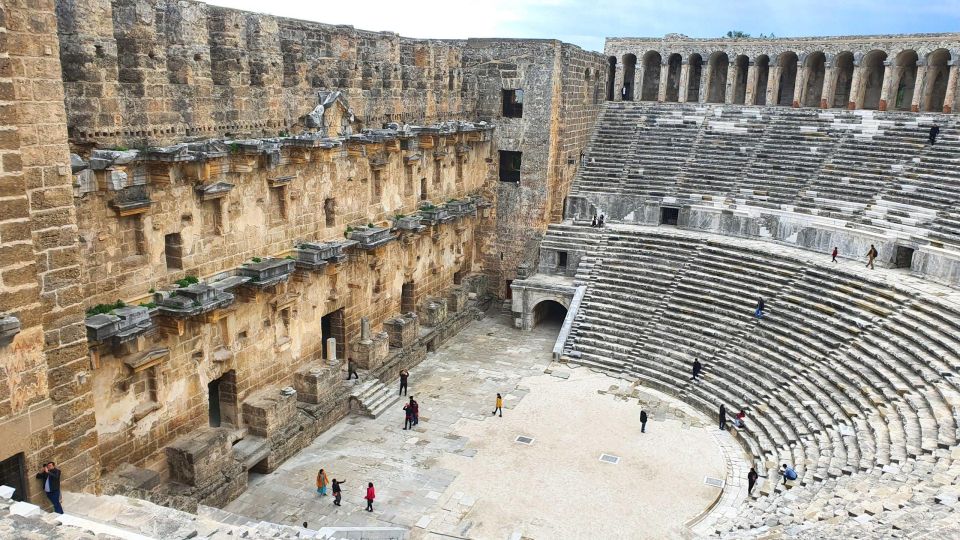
323, 481
598, 221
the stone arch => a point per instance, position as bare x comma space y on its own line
611, 76
717, 80
548, 311
761, 66
629, 73
871, 78
788, 78
651, 76
814, 73
905, 68
674, 63
843, 82
694, 74
741, 68
935, 86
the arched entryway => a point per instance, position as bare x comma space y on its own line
741, 68
694, 74
611, 76
651, 76
629, 72
788, 78
938, 71
871, 78
762, 66
549, 312
906, 80
814, 70
717, 83
843, 69
673, 77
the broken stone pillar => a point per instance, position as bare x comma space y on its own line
433, 311
364, 329
402, 331
316, 384
268, 411
332, 351
198, 459
370, 354
457, 299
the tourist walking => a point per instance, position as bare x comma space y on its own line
408, 416
759, 311
499, 406
50, 476
751, 480
697, 366
834, 254
352, 370
788, 473
415, 409
335, 487
371, 494
723, 416
594, 222
322, 482
403, 381
643, 421
871, 255
623, 93
934, 131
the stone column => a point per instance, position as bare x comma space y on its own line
950, 98
798, 85
704, 81
664, 82
889, 75
829, 85
918, 86
684, 81
731, 82
364, 330
749, 96
332, 351
857, 88
773, 84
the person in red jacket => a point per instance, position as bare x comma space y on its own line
371, 494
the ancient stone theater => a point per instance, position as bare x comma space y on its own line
226, 237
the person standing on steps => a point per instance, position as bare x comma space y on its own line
759, 311
322, 481
408, 416
50, 476
600, 221
643, 421
594, 222
934, 131
723, 416
871, 255
623, 93
499, 406
371, 495
335, 486
751, 480
403, 381
415, 409
352, 370
835, 253
697, 367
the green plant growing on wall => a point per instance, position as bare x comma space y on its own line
105, 308
256, 259
187, 281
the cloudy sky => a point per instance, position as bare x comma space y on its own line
587, 22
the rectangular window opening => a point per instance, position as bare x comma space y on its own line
561, 259
173, 251
513, 103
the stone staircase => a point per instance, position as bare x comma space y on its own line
374, 397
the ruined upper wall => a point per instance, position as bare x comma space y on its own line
147, 72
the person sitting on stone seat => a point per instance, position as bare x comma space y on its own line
739, 418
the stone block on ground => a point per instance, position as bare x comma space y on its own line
403, 330
268, 411
316, 383
198, 458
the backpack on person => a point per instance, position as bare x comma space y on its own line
790, 474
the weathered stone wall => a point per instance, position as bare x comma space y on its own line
911, 72
146, 72
559, 83
46, 407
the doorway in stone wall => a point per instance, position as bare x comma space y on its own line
222, 406
12, 474
904, 257
669, 216
331, 326
408, 297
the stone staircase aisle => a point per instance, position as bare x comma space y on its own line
374, 397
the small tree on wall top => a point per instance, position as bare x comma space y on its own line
737, 34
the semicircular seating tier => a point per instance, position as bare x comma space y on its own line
851, 375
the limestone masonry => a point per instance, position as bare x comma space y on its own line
207, 215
